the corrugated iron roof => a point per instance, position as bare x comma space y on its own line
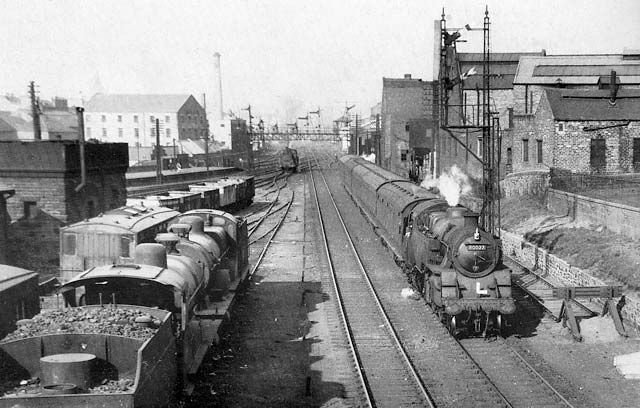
136, 103
575, 69
594, 105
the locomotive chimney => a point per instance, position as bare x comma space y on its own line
196, 223
151, 254
168, 240
182, 230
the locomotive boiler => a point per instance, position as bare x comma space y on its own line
446, 255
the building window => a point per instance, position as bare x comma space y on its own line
30, 209
120, 132
598, 155
104, 132
104, 118
403, 155
479, 147
525, 150
88, 133
69, 244
119, 118
152, 119
167, 119
636, 150
539, 149
152, 132
136, 132
560, 127
167, 131
135, 118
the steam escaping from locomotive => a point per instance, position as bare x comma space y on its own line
369, 157
452, 185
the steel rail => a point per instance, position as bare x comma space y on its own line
376, 298
540, 377
275, 231
343, 313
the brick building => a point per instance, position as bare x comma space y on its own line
408, 123
579, 130
46, 177
5, 194
132, 119
465, 81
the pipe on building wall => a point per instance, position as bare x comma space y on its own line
83, 167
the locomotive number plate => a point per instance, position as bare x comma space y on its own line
476, 247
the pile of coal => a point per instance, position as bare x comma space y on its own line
132, 323
113, 386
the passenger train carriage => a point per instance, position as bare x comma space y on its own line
444, 252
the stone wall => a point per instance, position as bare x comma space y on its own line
533, 182
618, 218
541, 261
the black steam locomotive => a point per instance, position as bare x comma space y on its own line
447, 257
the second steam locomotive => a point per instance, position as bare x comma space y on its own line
447, 257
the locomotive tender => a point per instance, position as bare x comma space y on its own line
447, 257
179, 287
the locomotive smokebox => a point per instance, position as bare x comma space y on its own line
471, 219
456, 212
151, 254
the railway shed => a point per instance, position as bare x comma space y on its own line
18, 296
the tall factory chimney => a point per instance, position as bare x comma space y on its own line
217, 97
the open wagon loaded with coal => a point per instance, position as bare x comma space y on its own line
89, 356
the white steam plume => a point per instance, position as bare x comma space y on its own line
452, 184
369, 157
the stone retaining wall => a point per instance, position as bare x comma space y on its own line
618, 218
543, 262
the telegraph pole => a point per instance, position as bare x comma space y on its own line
35, 111
158, 154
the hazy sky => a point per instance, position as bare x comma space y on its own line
284, 57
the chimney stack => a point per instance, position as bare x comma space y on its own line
217, 97
613, 86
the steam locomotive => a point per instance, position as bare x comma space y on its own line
144, 321
288, 159
447, 257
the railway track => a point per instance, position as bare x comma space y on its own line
519, 382
386, 379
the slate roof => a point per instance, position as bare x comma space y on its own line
576, 69
136, 103
14, 122
594, 105
503, 68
